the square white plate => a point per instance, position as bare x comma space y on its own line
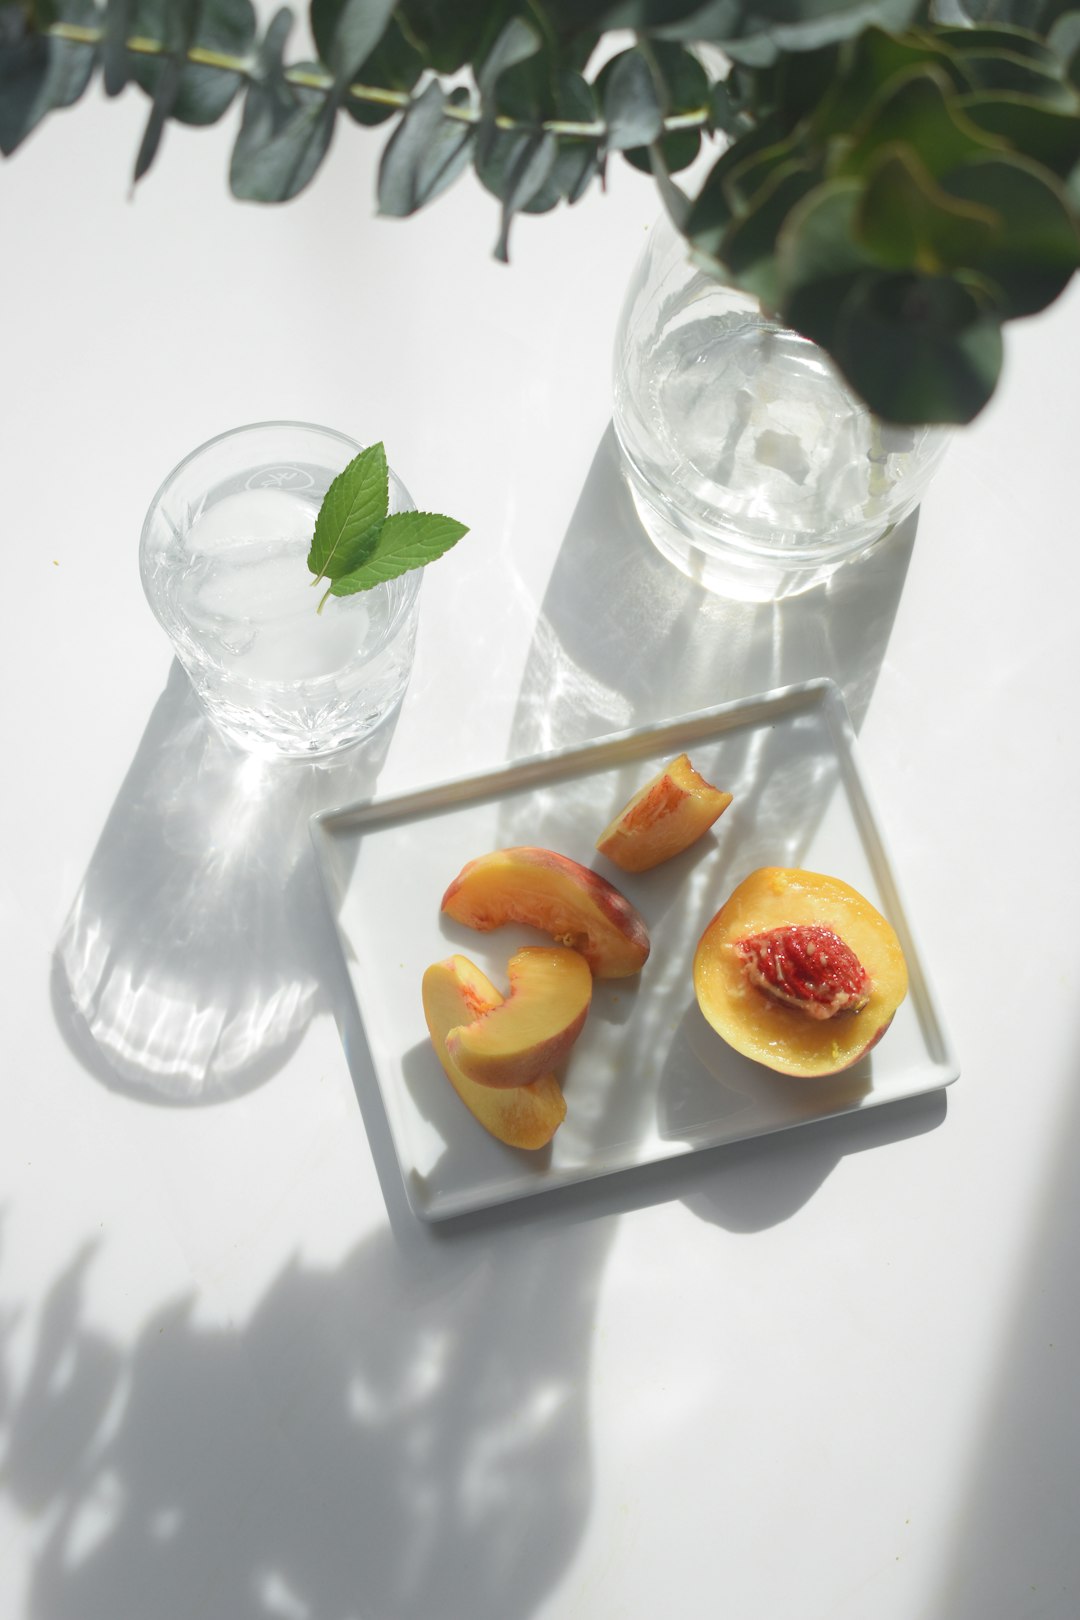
648, 1079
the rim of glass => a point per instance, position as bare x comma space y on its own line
408, 583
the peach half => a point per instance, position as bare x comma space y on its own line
455, 992
663, 818
799, 972
550, 892
533, 1030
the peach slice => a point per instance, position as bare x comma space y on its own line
798, 971
455, 992
663, 818
533, 1030
550, 892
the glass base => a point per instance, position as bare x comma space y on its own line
732, 566
754, 467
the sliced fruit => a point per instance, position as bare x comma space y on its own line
767, 992
663, 818
532, 1031
455, 992
550, 892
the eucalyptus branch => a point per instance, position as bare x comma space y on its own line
305, 78
899, 179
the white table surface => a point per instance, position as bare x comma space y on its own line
826, 1376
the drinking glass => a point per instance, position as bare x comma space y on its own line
223, 558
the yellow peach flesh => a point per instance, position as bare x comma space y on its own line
756, 1023
666, 816
455, 992
533, 1030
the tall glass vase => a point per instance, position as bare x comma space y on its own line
753, 466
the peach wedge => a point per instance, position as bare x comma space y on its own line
799, 972
533, 1030
455, 992
570, 904
663, 818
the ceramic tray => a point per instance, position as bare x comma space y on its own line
648, 1079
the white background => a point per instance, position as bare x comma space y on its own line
828, 1376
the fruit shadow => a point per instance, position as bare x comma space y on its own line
196, 949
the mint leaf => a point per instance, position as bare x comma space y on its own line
347, 527
406, 540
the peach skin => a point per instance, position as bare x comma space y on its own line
564, 900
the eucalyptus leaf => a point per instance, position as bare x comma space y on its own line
24, 68
352, 510
748, 247
39, 74
406, 540
201, 94
1050, 135
115, 59
906, 221
517, 41
1036, 249
284, 131
395, 64
678, 150
631, 106
916, 109
918, 349
527, 175
347, 33
424, 155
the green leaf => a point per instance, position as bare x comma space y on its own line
918, 349
202, 94
1047, 134
866, 67
527, 175
748, 247
423, 156
347, 32
907, 222
352, 507
395, 64
284, 132
915, 109
406, 540
24, 65
175, 27
628, 95
677, 149
714, 206
1035, 251
40, 74
115, 60
517, 41
451, 34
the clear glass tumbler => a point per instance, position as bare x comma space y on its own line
753, 466
223, 559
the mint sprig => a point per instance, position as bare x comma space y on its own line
358, 543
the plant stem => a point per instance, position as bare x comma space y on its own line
372, 95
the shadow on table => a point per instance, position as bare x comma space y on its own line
623, 639
1012, 1543
192, 959
398, 1437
